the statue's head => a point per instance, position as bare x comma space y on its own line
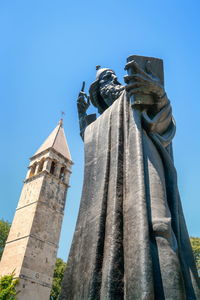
105, 89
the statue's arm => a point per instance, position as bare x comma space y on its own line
84, 119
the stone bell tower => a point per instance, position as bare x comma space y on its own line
32, 244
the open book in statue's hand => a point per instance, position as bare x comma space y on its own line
143, 83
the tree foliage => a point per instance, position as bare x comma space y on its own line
4, 230
57, 278
7, 287
195, 243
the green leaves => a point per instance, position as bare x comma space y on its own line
7, 282
195, 243
57, 278
4, 230
7, 287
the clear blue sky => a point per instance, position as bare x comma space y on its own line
49, 47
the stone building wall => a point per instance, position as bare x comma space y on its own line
32, 243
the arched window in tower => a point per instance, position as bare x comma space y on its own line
62, 173
33, 167
53, 166
41, 165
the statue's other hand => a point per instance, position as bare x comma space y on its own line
144, 82
82, 104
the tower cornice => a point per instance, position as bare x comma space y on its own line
35, 156
44, 172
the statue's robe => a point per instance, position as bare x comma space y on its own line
131, 240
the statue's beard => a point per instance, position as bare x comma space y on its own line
110, 92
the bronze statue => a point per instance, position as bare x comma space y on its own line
131, 240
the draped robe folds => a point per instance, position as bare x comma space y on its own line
131, 240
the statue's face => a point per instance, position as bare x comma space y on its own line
108, 77
109, 87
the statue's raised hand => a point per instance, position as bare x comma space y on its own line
144, 81
83, 103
